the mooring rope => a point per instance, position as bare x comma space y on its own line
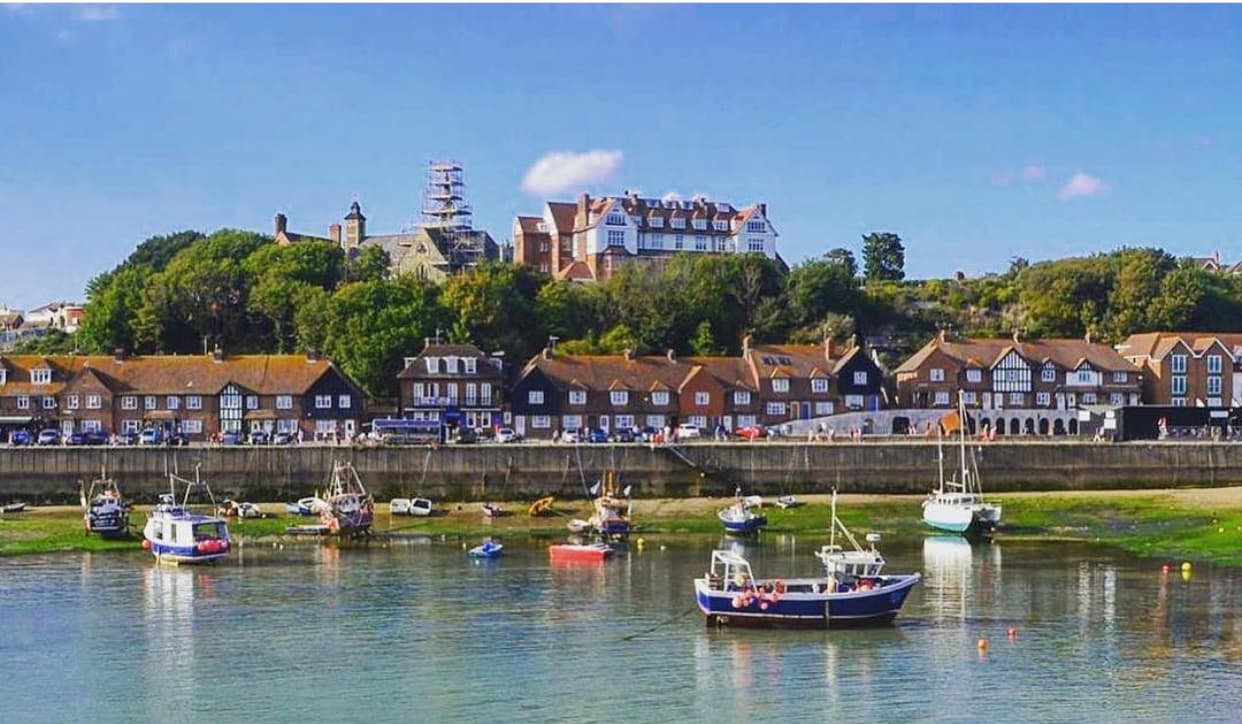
673, 619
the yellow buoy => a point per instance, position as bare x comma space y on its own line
1186, 566
983, 644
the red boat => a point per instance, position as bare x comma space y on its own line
579, 552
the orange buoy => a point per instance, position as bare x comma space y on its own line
146, 544
983, 644
1013, 633
1164, 568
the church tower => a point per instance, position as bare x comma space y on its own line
355, 228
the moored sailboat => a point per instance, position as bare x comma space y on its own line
957, 505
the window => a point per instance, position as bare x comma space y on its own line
577, 397
860, 378
657, 222
1042, 399
472, 394
1179, 401
942, 398
1179, 364
823, 408
195, 427
571, 422
720, 225
129, 402
1121, 377
1179, 385
616, 237
450, 365
287, 426
148, 403
854, 402
323, 402
741, 397
756, 226
1088, 398
974, 375
936, 374
679, 241
659, 398
970, 397
699, 420
1048, 374
535, 397
780, 385
700, 243
1213, 362
193, 402
173, 402
252, 402
615, 218
1116, 399
129, 426
655, 241
23, 402
819, 385
619, 397
344, 402
93, 402
754, 244
656, 421
284, 402
746, 421
433, 364
471, 365
776, 408
325, 427
702, 398
71, 402
1017, 399
679, 223
485, 393
700, 224
541, 422
625, 422
49, 403
91, 426
1213, 385
41, 376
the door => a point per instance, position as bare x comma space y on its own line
519, 424
603, 423
66, 427
350, 427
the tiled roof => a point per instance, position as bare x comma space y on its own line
1156, 345
417, 369
1066, 353
563, 215
603, 372
790, 360
576, 271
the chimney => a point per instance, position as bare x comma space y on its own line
547, 353
672, 356
334, 233
217, 354
1016, 336
312, 354
584, 202
829, 348
1087, 336
943, 335
763, 210
746, 344
628, 353
282, 223
118, 355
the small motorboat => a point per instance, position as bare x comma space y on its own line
233, 509
741, 517
579, 551
788, 501
492, 511
489, 549
852, 591
306, 506
104, 510
578, 526
410, 506
14, 508
175, 534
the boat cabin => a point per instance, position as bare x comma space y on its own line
729, 572
188, 529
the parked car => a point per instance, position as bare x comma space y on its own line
647, 434
178, 439
596, 436
96, 437
751, 432
258, 437
230, 438
20, 437
464, 436
127, 438
151, 436
507, 434
76, 438
623, 435
688, 430
282, 438
571, 437
50, 436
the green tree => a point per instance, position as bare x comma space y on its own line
844, 257
704, 343
156, 252
369, 264
884, 257
816, 288
495, 305
113, 302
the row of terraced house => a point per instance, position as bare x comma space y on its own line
1026, 383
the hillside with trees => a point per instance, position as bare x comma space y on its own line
187, 292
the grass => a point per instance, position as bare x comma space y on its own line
1198, 525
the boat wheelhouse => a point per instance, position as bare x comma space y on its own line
350, 509
176, 534
104, 510
852, 591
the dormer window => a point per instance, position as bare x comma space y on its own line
4, 375
657, 222
450, 365
615, 218
433, 364
41, 376
719, 225
679, 223
700, 224
541, 227
471, 365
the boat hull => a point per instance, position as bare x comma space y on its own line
745, 527
571, 552
168, 553
960, 518
807, 610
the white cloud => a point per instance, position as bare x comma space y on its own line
1082, 185
1032, 172
96, 13
561, 171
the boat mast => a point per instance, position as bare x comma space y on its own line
961, 427
940, 456
832, 525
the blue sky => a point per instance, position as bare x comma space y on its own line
978, 133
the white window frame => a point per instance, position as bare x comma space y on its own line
819, 385
577, 397
1177, 384
780, 384
1048, 374
860, 378
470, 365
942, 398
534, 397
702, 398
852, 401
23, 402
616, 237
974, 375
741, 397
41, 376
969, 397
1213, 364
619, 397
94, 402
194, 402
1017, 399
150, 402
1121, 377
823, 408
1177, 364
323, 402
1214, 385
172, 402
432, 364
624, 422
71, 402
284, 402
776, 408
659, 398
129, 402
49, 402
1042, 399
936, 374
1116, 399
540, 422
344, 402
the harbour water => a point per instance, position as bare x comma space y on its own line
415, 631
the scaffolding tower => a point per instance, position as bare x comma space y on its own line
446, 213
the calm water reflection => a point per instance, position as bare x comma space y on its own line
415, 631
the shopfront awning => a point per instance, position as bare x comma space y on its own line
261, 415
160, 415
16, 420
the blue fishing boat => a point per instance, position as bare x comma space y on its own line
104, 510
176, 534
489, 549
853, 590
741, 518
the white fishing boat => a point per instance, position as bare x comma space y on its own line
957, 504
351, 509
176, 534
